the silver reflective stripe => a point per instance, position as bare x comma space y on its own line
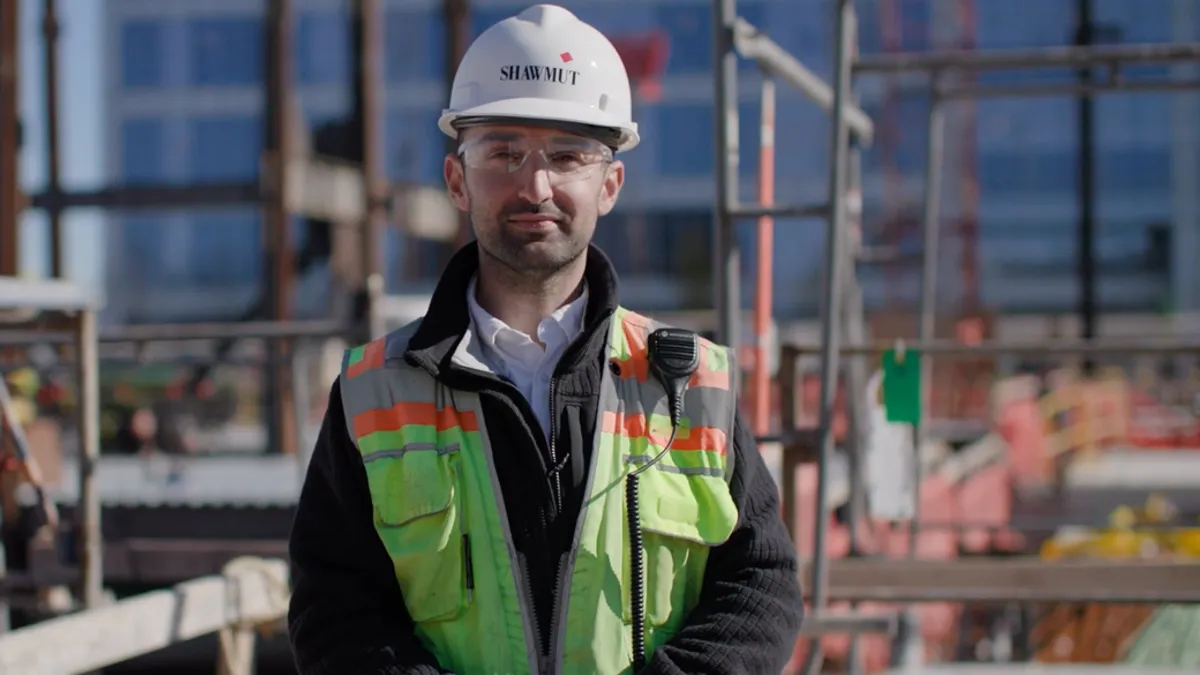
682, 470
411, 447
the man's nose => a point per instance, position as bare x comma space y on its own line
534, 180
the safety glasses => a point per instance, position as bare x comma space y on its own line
502, 155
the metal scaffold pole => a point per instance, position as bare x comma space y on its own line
277, 231
50, 32
831, 312
727, 254
10, 137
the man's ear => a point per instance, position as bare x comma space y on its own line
614, 178
456, 184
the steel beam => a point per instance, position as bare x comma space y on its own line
836, 260
1065, 89
816, 625
50, 295
953, 349
1003, 580
187, 332
752, 43
782, 211
10, 137
154, 197
1018, 59
87, 368
727, 255
50, 32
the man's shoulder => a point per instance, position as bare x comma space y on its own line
650, 324
374, 354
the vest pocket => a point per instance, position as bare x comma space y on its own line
682, 518
419, 517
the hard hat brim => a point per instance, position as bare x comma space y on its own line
546, 111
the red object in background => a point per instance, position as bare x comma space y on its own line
645, 56
1157, 426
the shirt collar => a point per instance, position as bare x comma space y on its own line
568, 318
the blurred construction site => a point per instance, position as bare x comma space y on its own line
954, 241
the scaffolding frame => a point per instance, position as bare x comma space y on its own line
73, 311
285, 170
850, 130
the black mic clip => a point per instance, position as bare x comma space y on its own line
674, 355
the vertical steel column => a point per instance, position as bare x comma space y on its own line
761, 376
87, 358
276, 221
727, 257
456, 19
856, 382
368, 102
10, 137
912, 649
50, 32
1087, 186
831, 314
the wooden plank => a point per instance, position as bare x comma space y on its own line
252, 591
1024, 579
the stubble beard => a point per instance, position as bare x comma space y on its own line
528, 256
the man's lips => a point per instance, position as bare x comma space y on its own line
534, 222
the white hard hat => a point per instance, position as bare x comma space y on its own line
544, 64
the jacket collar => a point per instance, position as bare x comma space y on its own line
444, 325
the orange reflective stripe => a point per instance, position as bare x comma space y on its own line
404, 414
710, 439
636, 365
370, 358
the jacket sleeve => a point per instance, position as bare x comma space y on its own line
347, 614
748, 617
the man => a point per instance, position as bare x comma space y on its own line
467, 508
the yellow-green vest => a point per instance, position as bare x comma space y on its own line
428, 458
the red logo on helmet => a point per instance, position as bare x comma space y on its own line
566, 57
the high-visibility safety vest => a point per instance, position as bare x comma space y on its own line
439, 511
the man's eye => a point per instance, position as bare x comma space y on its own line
567, 158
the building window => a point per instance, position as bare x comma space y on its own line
681, 126
227, 250
225, 148
414, 145
1134, 170
142, 57
143, 237
322, 47
414, 45
225, 52
669, 244
142, 151
1030, 172
690, 28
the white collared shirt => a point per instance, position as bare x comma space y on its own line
515, 356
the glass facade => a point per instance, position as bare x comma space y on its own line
208, 66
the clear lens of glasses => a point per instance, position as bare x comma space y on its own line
564, 159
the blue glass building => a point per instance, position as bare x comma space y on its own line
185, 104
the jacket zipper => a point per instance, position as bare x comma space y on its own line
557, 487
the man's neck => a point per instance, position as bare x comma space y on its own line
522, 302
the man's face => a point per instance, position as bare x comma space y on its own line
533, 194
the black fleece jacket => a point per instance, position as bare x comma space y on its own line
347, 614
